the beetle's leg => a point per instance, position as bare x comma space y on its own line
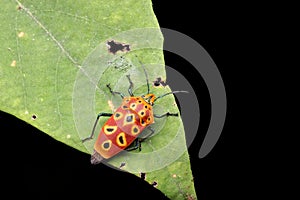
130, 86
95, 124
143, 138
166, 115
137, 143
113, 92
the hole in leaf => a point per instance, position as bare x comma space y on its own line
33, 117
156, 84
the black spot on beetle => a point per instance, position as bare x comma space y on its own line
159, 82
114, 47
110, 129
135, 130
129, 118
121, 140
106, 145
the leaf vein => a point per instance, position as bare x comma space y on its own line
30, 14
56, 91
20, 68
61, 47
86, 19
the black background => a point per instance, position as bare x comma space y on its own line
38, 166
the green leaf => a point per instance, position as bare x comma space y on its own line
54, 67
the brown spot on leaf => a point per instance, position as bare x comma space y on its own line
114, 47
143, 175
190, 197
154, 184
159, 82
122, 165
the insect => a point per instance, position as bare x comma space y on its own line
123, 127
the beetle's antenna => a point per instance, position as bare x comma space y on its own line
148, 86
146, 74
161, 96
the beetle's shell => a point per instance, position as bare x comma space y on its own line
122, 128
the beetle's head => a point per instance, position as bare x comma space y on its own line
149, 98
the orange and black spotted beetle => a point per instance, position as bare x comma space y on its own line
126, 123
